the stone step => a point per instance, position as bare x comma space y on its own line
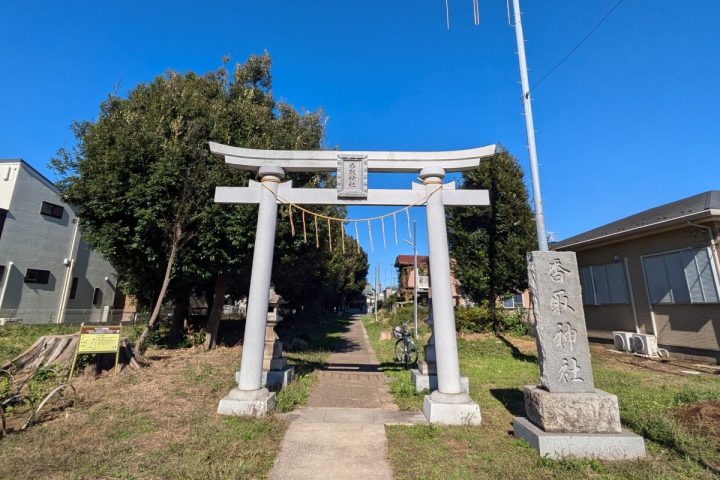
369, 416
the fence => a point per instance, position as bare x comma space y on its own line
72, 316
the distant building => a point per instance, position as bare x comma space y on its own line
655, 272
517, 301
44, 263
406, 279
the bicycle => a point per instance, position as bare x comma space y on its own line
405, 348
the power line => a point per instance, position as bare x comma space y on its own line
592, 30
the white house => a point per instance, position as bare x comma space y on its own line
47, 272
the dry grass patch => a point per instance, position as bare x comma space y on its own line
158, 423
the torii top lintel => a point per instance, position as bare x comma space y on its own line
326, 160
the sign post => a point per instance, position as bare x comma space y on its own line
105, 339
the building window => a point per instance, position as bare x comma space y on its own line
37, 276
686, 277
97, 297
73, 287
51, 210
604, 284
2, 272
3, 216
516, 301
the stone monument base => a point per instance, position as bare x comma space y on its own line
274, 379
451, 409
602, 446
278, 379
430, 381
591, 412
253, 403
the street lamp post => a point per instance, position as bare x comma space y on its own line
415, 276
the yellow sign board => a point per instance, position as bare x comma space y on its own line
99, 339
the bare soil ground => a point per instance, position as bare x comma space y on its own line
702, 419
609, 356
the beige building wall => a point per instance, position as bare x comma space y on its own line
689, 327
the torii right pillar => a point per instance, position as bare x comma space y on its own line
449, 404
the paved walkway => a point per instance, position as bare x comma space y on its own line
341, 433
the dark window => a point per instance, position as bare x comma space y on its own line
3, 215
2, 272
51, 210
73, 287
604, 284
97, 297
37, 276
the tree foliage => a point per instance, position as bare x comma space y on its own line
143, 179
490, 243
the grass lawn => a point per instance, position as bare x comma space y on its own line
159, 423
498, 368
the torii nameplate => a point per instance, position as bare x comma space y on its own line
352, 176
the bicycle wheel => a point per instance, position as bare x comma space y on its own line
411, 354
400, 351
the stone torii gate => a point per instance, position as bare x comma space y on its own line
449, 404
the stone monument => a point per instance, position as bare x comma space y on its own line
276, 371
567, 415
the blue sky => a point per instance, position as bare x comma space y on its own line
627, 123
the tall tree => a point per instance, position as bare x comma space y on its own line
489, 244
143, 179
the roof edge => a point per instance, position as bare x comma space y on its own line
639, 231
33, 171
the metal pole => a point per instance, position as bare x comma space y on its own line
377, 281
65, 294
530, 129
415, 274
9, 270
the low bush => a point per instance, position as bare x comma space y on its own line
480, 318
404, 314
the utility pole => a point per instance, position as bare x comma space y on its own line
415, 276
415, 273
377, 289
530, 129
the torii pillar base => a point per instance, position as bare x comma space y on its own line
451, 409
429, 381
253, 403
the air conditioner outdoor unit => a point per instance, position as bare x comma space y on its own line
623, 341
645, 344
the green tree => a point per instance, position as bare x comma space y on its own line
490, 244
312, 278
143, 179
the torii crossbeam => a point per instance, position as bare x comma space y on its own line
450, 403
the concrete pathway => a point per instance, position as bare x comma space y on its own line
341, 433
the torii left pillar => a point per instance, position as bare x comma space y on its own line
250, 397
